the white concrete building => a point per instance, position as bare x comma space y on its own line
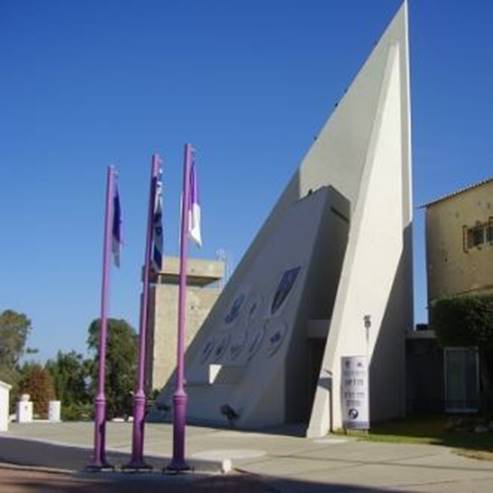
335, 248
24, 409
4, 405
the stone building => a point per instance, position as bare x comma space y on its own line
459, 255
459, 242
204, 286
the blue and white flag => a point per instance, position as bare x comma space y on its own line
116, 228
194, 231
157, 227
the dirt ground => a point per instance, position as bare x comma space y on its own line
17, 480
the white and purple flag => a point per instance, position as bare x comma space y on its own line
116, 228
157, 227
194, 231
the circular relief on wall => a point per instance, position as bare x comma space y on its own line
237, 345
255, 342
221, 346
276, 334
235, 309
253, 309
207, 349
284, 288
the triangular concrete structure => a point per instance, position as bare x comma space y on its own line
339, 241
376, 277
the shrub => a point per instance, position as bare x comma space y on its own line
37, 382
468, 321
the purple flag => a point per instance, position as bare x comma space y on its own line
116, 236
157, 226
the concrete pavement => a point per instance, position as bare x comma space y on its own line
278, 462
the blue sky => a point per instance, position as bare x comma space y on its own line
88, 83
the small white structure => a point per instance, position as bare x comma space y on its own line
4, 405
24, 409
54, 411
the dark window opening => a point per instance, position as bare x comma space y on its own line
489, 231
475, 236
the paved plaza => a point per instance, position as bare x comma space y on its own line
262, 462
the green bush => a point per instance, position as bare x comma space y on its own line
70, 373
121, 362
77, 411
464, 321
468, 321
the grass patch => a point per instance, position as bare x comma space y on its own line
433, 430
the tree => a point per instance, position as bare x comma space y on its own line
37, 382
468, 321
14, 329
70, 373
121, 355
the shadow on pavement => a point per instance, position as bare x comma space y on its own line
27, 452
28, 481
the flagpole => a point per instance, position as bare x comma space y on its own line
137, 460
178, 462
98, 461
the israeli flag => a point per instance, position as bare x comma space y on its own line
194, 231
116, 230
157, 227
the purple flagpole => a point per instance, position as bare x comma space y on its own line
178, 462
98, 461
137, 460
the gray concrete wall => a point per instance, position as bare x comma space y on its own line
425, 375
268, 384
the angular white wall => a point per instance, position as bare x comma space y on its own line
364, 153
376, 278
251, 353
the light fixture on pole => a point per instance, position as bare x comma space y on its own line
367, 323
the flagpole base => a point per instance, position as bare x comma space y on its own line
98, 462
176, 466
178, 462
137, 467
137, 462
103, 467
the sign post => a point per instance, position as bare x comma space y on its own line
355, 393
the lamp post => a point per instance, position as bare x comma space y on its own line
222, 256
367, 323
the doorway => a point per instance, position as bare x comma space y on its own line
461, 380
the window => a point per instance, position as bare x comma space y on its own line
489, 230
475, 236
478, 235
